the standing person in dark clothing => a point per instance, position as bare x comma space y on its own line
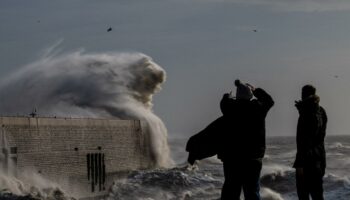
243, 143
310, 161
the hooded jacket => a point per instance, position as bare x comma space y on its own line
311, 131
244, 137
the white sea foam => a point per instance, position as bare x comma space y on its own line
338, 145
268, 194
275, 169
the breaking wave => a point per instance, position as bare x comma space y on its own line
177, 183
32, 187
282, 180
278, 178
338, 145
182, 183
101, 85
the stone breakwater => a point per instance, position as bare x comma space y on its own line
83, 156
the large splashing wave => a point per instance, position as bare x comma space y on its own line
101, 85
32, 187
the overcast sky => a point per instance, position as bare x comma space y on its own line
203, 45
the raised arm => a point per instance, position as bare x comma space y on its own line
264, 99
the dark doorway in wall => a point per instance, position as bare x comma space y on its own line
96, 171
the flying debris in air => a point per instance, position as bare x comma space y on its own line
109, 29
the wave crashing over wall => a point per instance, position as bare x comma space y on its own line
101, 85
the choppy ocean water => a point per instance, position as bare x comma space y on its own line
204, 181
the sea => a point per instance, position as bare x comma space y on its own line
204, 180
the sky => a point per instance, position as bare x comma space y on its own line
203, 45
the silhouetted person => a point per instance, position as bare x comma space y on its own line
310, 161
243, 143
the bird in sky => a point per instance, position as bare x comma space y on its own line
109, 29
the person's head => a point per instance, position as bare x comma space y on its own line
243, 91
307, 91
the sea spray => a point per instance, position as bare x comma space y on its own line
100, 85
7, 165
32, 186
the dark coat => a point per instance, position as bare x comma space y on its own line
311, 131
207, 142
244, 137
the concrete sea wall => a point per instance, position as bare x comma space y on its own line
83, 155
